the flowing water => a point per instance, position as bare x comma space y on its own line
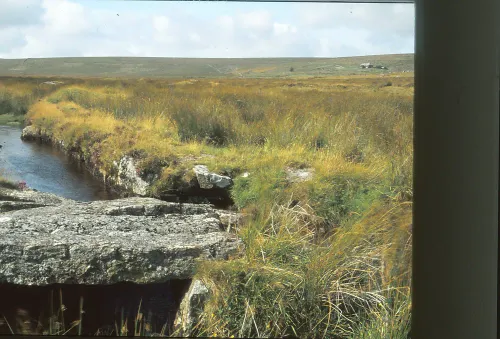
47, 169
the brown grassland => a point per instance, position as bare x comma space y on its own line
336, 262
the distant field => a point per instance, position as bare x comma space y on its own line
213, 68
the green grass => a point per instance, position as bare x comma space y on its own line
334, 289
392, 320
11, 119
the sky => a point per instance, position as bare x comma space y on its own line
90, 28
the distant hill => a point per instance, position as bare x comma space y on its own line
194, 67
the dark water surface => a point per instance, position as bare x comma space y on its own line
47, 169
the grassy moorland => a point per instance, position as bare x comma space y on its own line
199, 67
328, 257
17, 96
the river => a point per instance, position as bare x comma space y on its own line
47, 169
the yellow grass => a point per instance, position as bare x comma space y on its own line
346, 233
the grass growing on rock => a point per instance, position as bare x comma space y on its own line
6, 183
324, 257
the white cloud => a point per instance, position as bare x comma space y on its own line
389, 27
63, 17
195, 37
284, 28
340, 42
20, 13
80, 28
11, 37
257, 20
160, 23
225, 22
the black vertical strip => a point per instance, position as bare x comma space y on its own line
455, 248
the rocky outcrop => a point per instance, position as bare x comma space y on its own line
141, 240
230, 220
299, 175
6, 206
31, 133
128, 177
191, 308
209, 180
30, 196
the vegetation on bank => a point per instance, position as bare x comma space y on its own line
17, 96
6, 183
11, 119
328, 257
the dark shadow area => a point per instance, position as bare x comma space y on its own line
218, 197
106, 308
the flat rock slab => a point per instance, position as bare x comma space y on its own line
141, 240
31, 196
6, 206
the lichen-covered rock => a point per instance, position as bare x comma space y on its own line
208, 180
230, 220
139, 240
6, 206
30, 197
299, 175
30, 133
190, 309
129, 178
